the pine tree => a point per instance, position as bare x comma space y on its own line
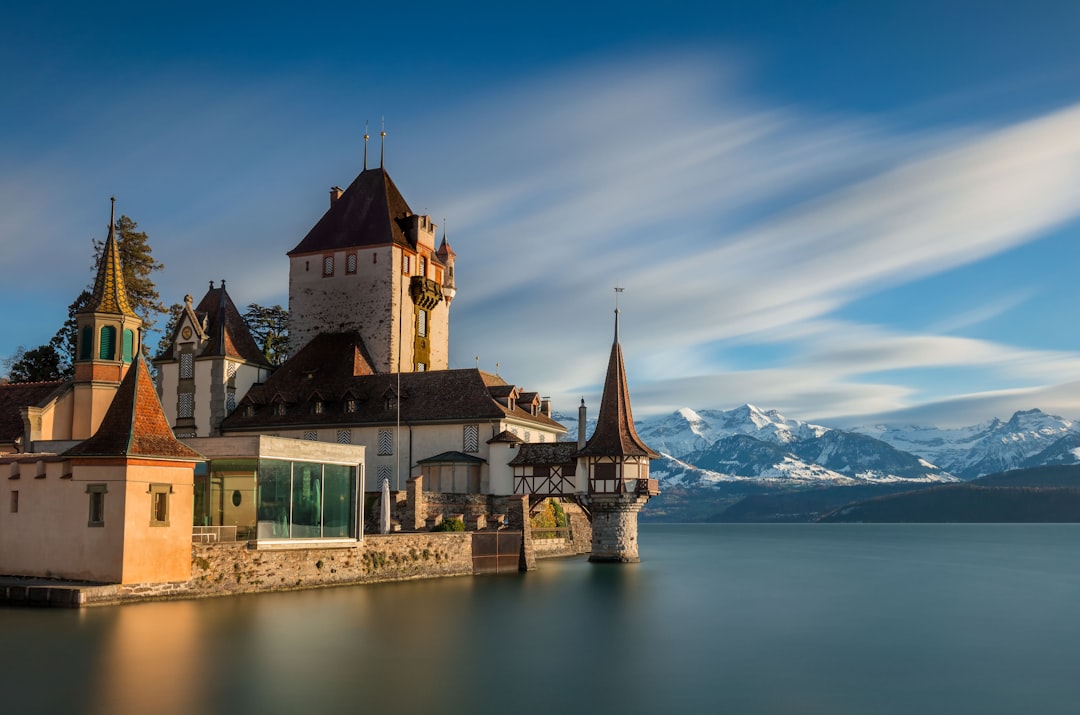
270, 328
38, 364
137, 263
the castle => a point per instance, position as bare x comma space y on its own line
282, 455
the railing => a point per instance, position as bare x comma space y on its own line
212, 534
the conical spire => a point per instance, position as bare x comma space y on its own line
110, 292
615, 434
135, 425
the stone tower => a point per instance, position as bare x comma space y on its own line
370, 265
615, 461
108, 338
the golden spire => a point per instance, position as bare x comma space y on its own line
110, 292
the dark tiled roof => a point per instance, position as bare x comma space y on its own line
110, 293
228, 333
546, 453
452, 457
334, 367
134, 425
507, 437
16, 395
615, 434
369, 213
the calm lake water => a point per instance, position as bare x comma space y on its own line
845, 618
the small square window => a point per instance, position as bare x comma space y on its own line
159, 504
350, 405
421, 367
317, 407
344, 436
249, 410
311, 435
279, 408
96, 493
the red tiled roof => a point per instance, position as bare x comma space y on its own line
328, 367
16, 395
615, 434
368, 213
134, 425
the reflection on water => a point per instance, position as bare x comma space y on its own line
735, 618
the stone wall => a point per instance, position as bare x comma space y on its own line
219, 569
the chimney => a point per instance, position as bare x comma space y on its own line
545, 406
581, 425
335, 194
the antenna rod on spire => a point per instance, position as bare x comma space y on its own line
112, 214
617, 291
382, 149
366, 137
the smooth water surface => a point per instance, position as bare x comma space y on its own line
844, 618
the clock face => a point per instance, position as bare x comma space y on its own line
185, 333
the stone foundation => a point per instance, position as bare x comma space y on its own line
615, 527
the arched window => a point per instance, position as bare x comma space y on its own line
129, 345
86, 343
108, 343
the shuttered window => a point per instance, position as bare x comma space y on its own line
386, 442
86, 348
472, 438
108, 343
129, 345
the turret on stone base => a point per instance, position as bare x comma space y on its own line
615, 527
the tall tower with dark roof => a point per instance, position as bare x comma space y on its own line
370, 265
615, 461
109, 334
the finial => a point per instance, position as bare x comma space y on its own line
382, 149
222, 284
444, 228
582, 401
477, 362
366, 137
188, 299
496, 369
211, 285
617, 291
112, 214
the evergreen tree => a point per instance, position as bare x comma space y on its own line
165, 342
39, 364
270, 328
137, 263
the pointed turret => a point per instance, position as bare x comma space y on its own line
135, 425
615, 434
447, 255
108, 337
110, 292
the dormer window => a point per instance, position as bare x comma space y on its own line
249, 410
317, 407
350, 405
279, 409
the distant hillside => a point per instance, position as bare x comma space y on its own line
967, 503
804, 505
1050, 476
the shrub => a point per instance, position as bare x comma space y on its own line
450, 525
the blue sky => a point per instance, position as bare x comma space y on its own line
846, 211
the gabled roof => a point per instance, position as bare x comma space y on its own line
615, 435
506, 437
336, 365
134, 425
227, 332
533, 453
368, 213
16, 395
453, 458
110, 292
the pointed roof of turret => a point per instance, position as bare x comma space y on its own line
368, 213
110, 292
445, 251
615, 434
228, 333
135, 425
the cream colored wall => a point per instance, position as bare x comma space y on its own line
168, 382
157, 554
49, 535
500, 474
203, 391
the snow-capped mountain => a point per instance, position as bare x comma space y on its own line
747, 443
1030, 438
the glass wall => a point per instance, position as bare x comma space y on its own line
277, 499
